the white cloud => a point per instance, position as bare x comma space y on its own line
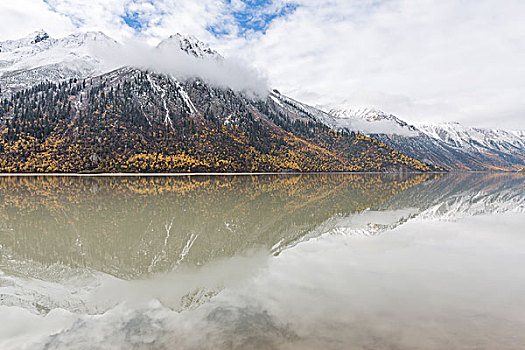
169, 59
161, 18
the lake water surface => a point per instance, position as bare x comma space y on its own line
368, 261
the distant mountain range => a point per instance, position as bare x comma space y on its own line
67, 108
448, 145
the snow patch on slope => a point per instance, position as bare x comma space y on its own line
38, 57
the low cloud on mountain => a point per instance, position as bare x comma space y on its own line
215, 70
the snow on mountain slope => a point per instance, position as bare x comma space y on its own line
32, 39
38, 57
371, 121
494, 149
452, 146
475, 139
297, 110
190, 45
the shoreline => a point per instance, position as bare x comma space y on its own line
238, 174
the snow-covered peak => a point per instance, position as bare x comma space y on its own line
371, 121
190, 45
36, 38
87, 38
312, 113
39, 48
39, 57
448, 144
368, 114
39, 36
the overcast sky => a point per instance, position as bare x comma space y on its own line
424, 60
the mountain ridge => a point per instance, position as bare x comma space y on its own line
447, 144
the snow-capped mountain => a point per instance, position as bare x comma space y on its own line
190, 45
450, 145
367, 114
39, 57
32, 39
476, 139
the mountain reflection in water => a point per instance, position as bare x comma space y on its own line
133, 226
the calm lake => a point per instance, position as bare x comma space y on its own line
336, 261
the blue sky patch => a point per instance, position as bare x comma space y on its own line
134, 21
256, 16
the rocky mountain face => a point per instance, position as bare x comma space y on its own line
449, 145
60, 115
